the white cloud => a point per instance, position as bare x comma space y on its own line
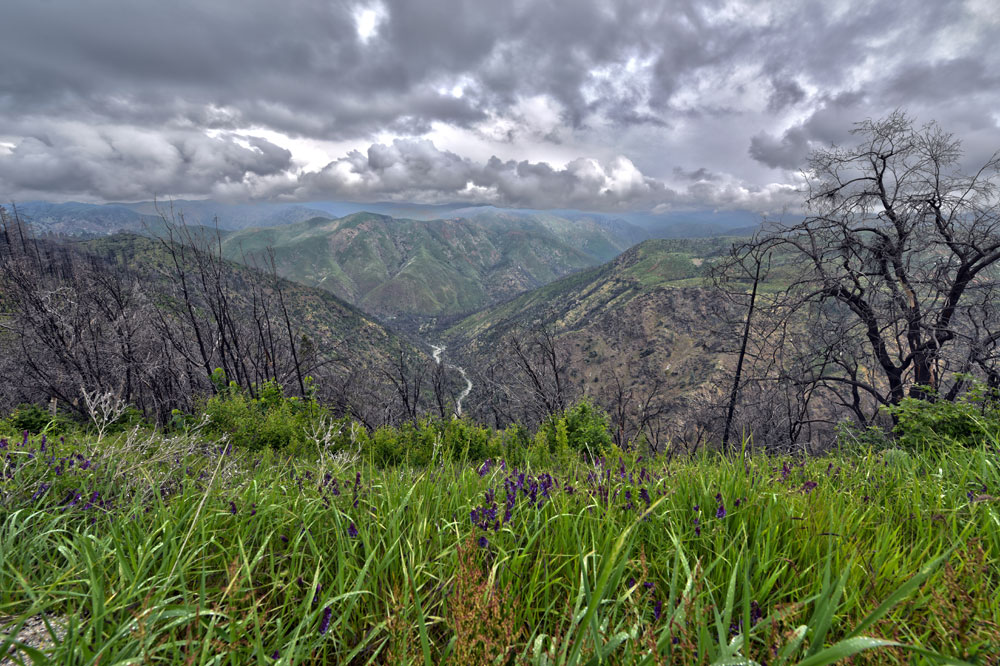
367, 20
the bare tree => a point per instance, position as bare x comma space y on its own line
890, 284
541, 366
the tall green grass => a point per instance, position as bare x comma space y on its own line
195, 553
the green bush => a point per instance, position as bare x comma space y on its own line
431, 441
267, 420
583, 428
36, 420
967, 420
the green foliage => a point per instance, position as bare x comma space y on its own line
267, 420
37, 420
429, 441
163, 550
968, 420
583, 429
851, 438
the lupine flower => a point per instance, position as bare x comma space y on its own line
325, 623
319, 589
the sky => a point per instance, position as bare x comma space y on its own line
603, 105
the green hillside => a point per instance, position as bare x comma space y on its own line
328, 320
643, 314
399, 268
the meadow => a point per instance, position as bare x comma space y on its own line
179, 548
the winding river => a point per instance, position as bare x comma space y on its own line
438, 353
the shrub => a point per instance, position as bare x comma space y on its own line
36, 420
268, 420
967, 420
583, 428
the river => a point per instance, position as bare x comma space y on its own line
438, 354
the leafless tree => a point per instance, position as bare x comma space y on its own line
889, 286
541, 366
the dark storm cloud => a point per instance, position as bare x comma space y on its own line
114, 99
695, 175
787, 152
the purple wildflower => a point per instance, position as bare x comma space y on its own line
232, 507
275, 655
483, 542
352, 530
721, 512
325, 623
319, 589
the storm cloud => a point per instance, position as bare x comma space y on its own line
599, 104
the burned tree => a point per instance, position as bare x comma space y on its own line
889, 285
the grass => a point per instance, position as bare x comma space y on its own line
155, 549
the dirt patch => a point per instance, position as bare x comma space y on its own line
34, 633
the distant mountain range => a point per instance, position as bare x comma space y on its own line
417, 266
83, 219
410, 270
75, 218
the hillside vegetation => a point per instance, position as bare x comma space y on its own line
646, 317
419, 269
181, 548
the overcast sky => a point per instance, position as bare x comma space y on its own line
604, 105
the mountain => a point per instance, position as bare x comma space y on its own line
409, 270
328, 320
83, 219
230, 216
643, 315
